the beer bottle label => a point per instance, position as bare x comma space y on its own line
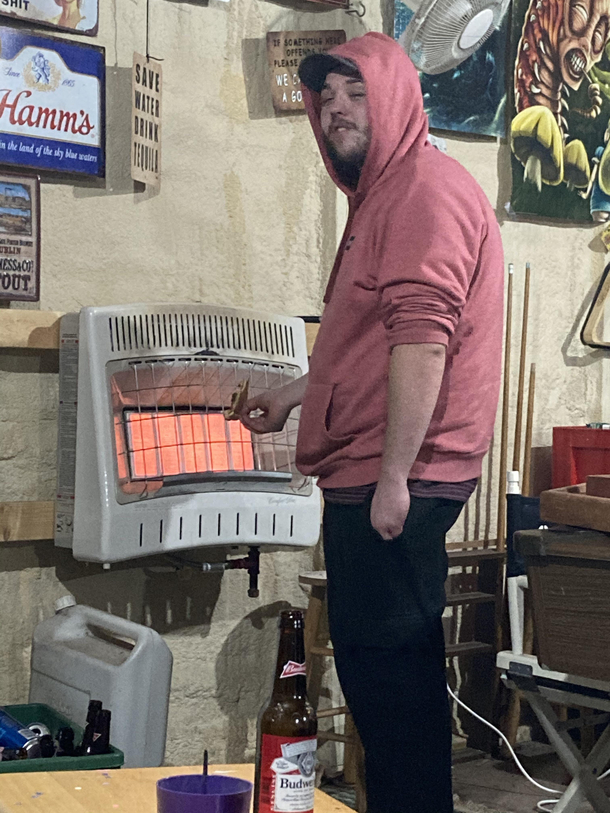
293, 668
288, 777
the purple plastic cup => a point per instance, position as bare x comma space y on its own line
185, 794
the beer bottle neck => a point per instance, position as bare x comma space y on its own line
290, 680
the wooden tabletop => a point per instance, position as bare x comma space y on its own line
126, 790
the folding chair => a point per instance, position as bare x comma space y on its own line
542, 687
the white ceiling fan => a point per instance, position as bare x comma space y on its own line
443, 33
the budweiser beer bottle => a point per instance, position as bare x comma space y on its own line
287, 729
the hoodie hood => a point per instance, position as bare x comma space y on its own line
395, 107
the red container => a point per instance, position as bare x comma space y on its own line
577, 452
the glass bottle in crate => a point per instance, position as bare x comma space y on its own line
287, 730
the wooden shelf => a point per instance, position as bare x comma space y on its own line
311, 331
473, 557
39, 330
36, 330
467, 648
473, 597
334, 737
26, 521
323, 713
477, 544
326, 651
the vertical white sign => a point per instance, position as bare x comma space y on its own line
147, 84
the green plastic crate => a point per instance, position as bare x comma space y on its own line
39, 713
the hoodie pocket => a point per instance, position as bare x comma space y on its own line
315, 441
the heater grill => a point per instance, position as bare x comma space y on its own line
208, 331
170, 427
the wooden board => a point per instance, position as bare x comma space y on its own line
571, 605
311, 331
26, 521
598, 485
566, 543
573, 506
114, 791
38, 330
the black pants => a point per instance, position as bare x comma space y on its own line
385, 602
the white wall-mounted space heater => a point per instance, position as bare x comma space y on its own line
148, 463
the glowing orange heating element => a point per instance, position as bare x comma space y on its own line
120, 450
165, 444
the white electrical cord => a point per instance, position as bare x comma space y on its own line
508, 745
543, 803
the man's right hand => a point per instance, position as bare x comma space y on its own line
274, 405
274, 410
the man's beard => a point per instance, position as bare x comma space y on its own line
348, 169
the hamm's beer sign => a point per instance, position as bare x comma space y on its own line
51, 103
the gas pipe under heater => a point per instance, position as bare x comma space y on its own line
149, 463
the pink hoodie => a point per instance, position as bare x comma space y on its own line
420, 262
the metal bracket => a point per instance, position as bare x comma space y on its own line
251, 563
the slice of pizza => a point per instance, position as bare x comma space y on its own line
238, 399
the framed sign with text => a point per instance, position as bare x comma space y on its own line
146, 90
19, 237
78, 16
52, 103
285, 52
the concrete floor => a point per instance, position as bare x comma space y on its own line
485, 785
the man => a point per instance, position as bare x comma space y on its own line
398, 407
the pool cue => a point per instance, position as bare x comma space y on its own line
501, 532
520, 391
527, 460
513, 713
501, 513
